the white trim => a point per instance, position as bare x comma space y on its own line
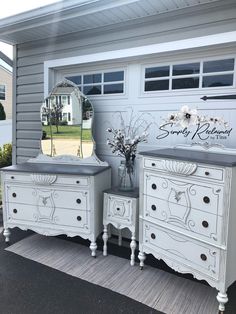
203, 41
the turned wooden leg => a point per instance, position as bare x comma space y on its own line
119, 237
132, 247
222, 299
7, 234
142, 258
105, 238
93, 248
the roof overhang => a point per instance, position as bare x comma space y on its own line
71, 16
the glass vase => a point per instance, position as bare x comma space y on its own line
126, 174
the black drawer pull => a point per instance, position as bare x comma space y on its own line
206, 199
14, 210
153, 164
79, 218
153, 236
154, 186
207, 173
13, 194
118, 208
12, 177
203, 257
153, 207
78, 182
205, 224
78, 201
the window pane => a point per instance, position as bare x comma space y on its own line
92, 90
157, 72
74, 79
2, 96
156, 85
190, 82
218, 65
114, 76
2, 88
183, 69
217, 80
92, 78
113, 89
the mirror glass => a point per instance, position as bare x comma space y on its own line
67, 116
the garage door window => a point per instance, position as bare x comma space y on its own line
101, 83
2, 92
202, 74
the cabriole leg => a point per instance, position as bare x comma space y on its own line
105, 238
93, 248
222, 299
132, 247
142, 258
7, 234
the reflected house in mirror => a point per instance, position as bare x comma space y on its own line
66, 116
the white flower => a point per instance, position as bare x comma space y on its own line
187, 117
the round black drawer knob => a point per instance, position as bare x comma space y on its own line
205, 224
78, 201
13, 194
206, 199
78, 182
153, 236
154, 187
79, 218
14, 210
118, 208
203, 257
153, 164
153, 207
12, 177
207, 173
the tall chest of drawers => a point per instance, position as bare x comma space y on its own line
188, 214
55, 199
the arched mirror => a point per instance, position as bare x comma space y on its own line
67, 117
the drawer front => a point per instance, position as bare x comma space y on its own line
47, 179
202, 257
47, 197
206, 197
118, 210
184, 168
184, 218
40, 216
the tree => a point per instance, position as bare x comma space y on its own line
2, 113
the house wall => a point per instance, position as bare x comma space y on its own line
168, 27
6, 79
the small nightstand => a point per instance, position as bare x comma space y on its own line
121, 210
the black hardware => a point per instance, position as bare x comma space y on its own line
153, 164
153, 236
205, 224
14, 194
12, 177
118, 208
78, 200
77, 182
154, 186
153, 207
203, 257
206, 199
207, 173
219, 97
14, 210
79, 218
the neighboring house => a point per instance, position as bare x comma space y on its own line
6, 84
153, 56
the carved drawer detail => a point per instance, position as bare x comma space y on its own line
178, 167
43, 179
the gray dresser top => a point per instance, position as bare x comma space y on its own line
83, 170
194, 155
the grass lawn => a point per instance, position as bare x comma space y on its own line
68, 131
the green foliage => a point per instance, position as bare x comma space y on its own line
2, 112
5, 155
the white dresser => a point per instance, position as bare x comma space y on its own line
188, 214
53, 199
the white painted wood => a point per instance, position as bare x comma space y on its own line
53, 204
120, 211
166, 219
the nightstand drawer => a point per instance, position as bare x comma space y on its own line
206, 197
183, 168
185, 219
203, 257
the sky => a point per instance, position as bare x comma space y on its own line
12, 7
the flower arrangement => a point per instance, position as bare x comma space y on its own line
187, 117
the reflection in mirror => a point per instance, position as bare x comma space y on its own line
67, 116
